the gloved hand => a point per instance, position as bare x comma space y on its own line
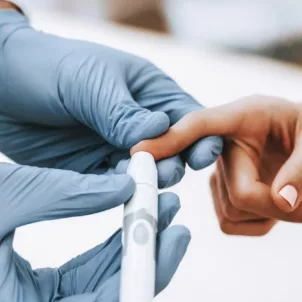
32, 194
81, 106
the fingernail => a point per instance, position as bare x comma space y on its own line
290, 194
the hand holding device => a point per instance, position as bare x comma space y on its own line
81, 106
30, 194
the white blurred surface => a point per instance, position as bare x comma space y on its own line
234, 23
93, 10
217, 267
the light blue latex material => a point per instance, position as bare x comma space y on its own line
30, 194
78, 106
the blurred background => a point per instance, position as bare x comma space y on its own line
270, 28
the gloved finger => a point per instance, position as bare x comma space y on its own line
6, 255
158, 92
170, 170
110, 290
203, 153
94, 267
168, 207
100, 99
77, 149
87, 272
172, 246
30, 194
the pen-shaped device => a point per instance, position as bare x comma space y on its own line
5, 159
139, 232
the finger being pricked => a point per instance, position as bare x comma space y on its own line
232, 220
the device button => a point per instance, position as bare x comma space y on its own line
141, 234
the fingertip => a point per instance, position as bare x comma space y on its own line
144, 145
204, 152
122, 166
170, 171
169, 200
169, 205
172, 246
177, 235
183, 234
157, 124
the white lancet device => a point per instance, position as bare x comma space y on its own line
5, 159
139, 232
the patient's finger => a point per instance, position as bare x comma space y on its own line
246, 191
223, 120
248, 228
229, 211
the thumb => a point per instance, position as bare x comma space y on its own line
286, 189
123, 122
106, 105
134, 124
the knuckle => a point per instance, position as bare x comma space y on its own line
259, 98
252, 99
241, 198
261, 102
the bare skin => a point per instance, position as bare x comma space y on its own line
8, 5
262, 155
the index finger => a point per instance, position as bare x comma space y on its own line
223, 120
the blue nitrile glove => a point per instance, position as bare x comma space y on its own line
33, 194
81, 106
